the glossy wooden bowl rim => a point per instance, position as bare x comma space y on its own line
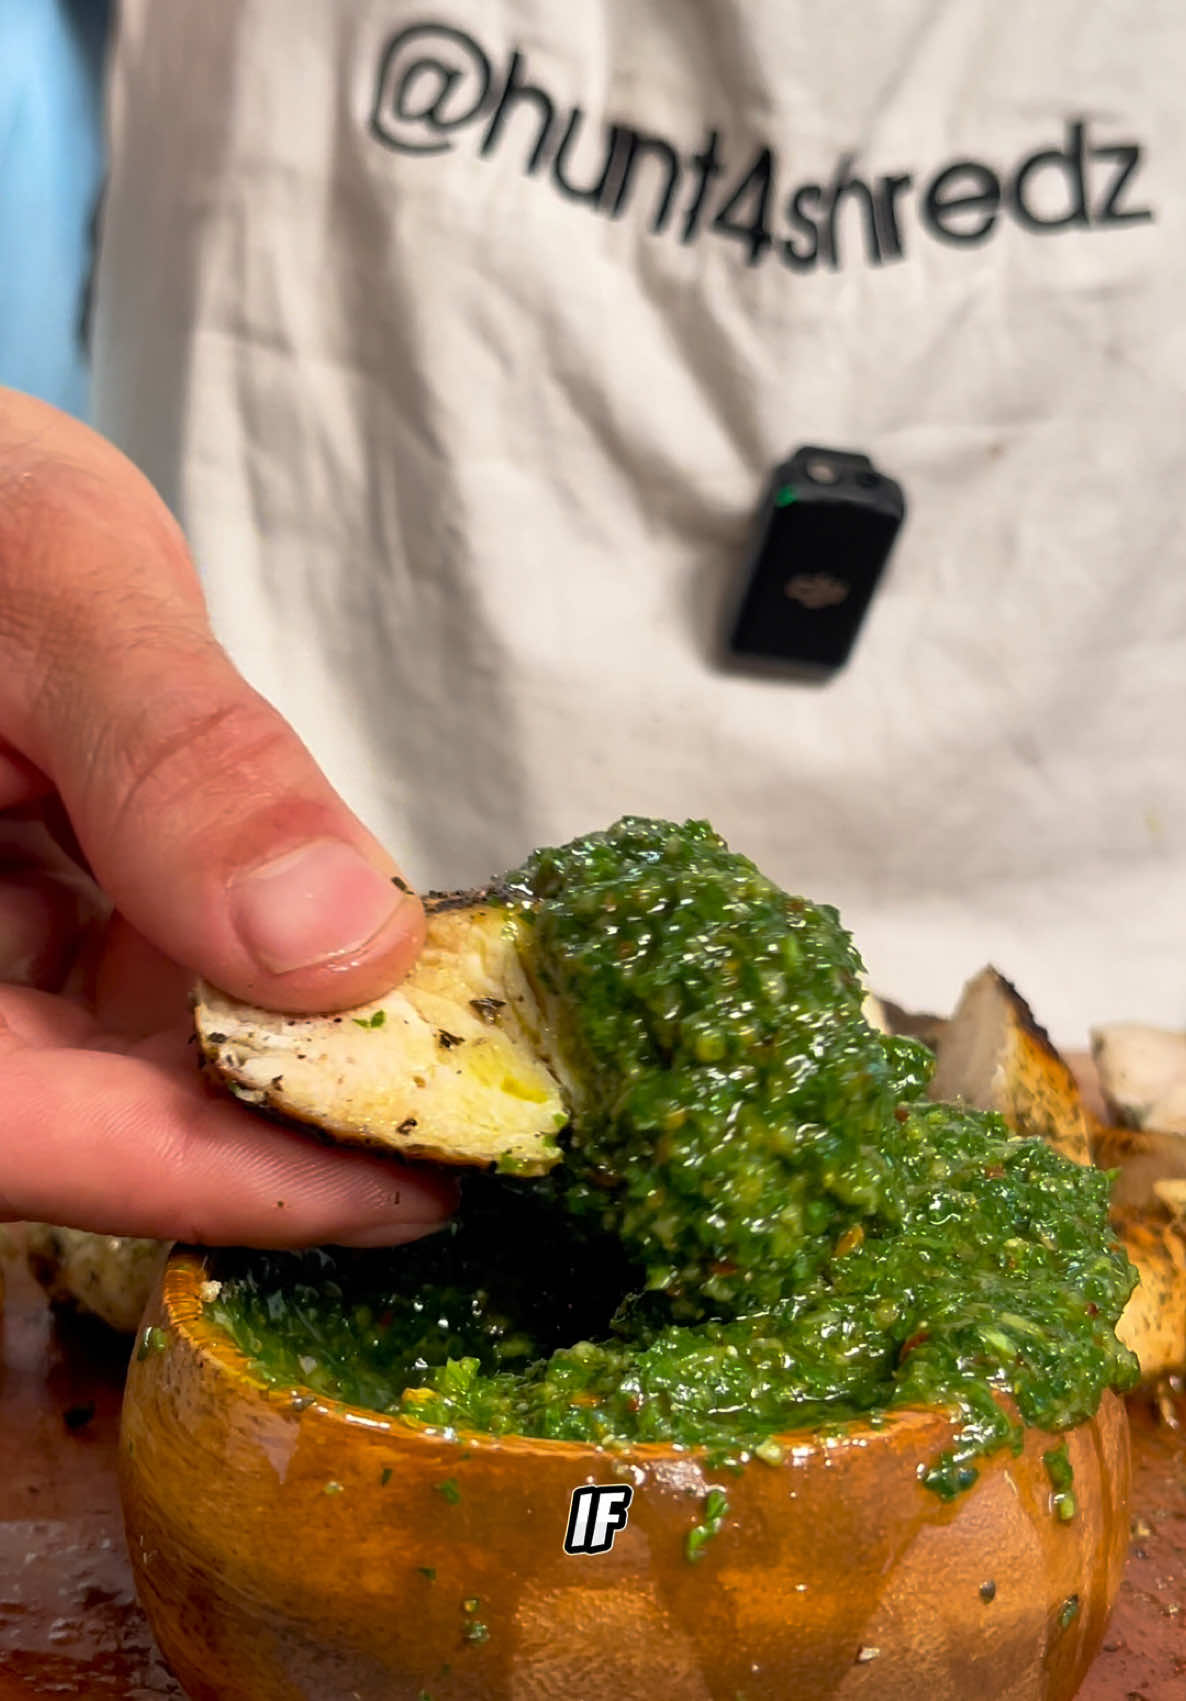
183, 1310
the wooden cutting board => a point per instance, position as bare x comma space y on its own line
70, 1626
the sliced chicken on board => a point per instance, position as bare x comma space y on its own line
911, 1024
1153, 1323
1150, 1165
873, 1010
105, 1275
458, 1064
1143, 1074
993, 1055
1170, 1191
1149, 1215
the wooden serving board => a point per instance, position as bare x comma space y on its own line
70, 1625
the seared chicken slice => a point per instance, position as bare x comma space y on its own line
1170, 1192
1149, 1214
912, 1024
1146, 1161
457, 1064
1143, 1074
993, 1055
106, 1275
1153, 1323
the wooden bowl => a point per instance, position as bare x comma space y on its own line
330, 1553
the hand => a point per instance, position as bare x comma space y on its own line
156, 811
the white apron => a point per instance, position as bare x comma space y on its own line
462, 336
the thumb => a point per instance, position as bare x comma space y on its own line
202, 814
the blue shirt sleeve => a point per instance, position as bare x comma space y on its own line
51, 171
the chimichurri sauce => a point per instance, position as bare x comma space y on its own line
760, 1223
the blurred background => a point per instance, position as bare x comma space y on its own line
51, 177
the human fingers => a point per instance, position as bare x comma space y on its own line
201, 813
122, 1145
39, 919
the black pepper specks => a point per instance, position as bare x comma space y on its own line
438, 903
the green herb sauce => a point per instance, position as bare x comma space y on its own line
760, 1223
716, 1509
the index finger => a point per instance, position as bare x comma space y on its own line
203, 816
124, 1145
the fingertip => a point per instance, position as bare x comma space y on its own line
398, 1232
363, 1202
293, 1190
39, 922
324, 927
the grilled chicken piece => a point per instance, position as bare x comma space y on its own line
1170, 1192
1153, 1322
993, 1055
912, 1024
1143, 1074
105, 1275
458, 1064
1146, 1161
1149, 1215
